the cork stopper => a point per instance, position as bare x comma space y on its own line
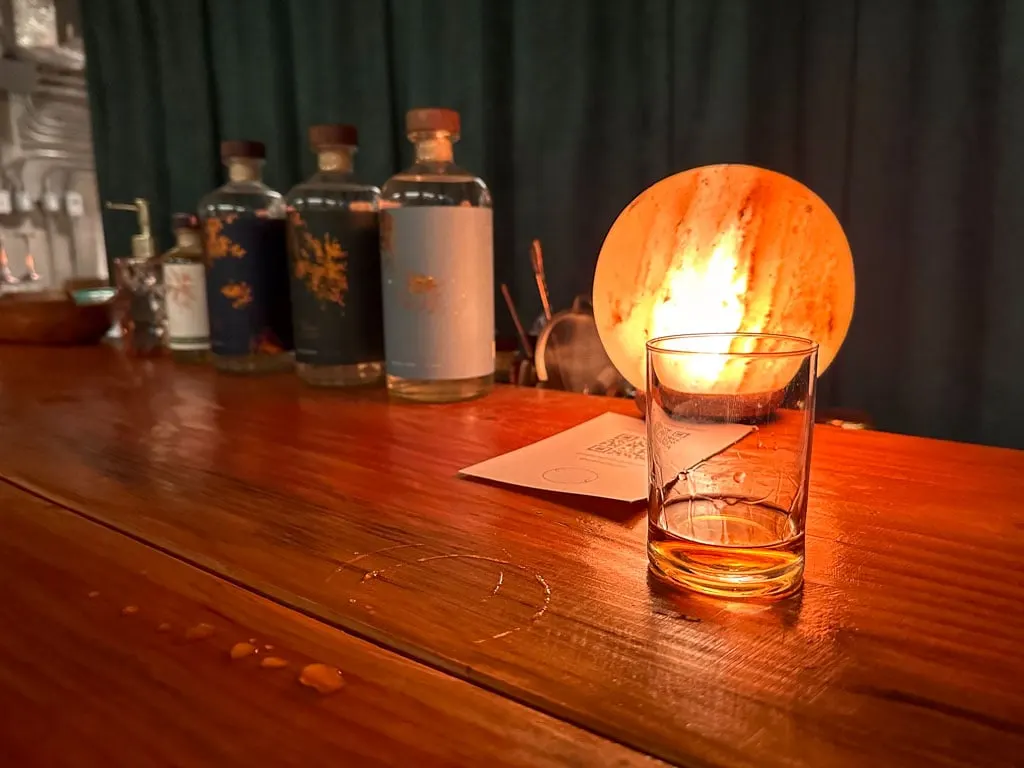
432, 119
242, 148
333, 135
184, 221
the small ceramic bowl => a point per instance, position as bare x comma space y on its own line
56, 318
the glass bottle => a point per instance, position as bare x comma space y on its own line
334, 248
139, 303
247, 267
437, 256
188, 324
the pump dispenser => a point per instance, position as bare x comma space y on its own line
143, 244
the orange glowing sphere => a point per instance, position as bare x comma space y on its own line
723, 249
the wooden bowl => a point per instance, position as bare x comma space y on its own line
52, 318
754, 408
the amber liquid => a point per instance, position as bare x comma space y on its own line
726, 547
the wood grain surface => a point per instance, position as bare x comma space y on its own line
903, 648
99, 669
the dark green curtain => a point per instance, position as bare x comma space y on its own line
906, 117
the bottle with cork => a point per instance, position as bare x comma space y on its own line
334, 259
437, 255
188, 324
245, 247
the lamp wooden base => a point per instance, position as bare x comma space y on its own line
755, 408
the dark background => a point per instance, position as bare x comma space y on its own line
906, 117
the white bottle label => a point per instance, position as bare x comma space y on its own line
437, 269
188, 324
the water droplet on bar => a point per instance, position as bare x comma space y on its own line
322, 678
163, 627
273, 662
199, 631
241, 650
129, 610
94, 593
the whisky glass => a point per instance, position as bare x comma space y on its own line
732, 524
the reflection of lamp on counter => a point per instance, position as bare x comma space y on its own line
723, 249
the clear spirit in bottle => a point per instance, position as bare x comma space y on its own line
247, 267
437, 255
188, 324
334, 249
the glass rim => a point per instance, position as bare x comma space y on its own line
802, 346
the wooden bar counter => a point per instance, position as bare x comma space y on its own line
472, 624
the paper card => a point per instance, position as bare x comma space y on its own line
604, 457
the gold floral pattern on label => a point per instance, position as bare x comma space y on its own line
240, 294
320, 264
423, 292
219, 245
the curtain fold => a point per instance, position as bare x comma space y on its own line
907, 118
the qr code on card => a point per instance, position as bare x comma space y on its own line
667, 437
623, 445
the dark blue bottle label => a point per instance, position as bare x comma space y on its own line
247, 285
336, 294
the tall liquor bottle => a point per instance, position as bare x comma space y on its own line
188, 324
247, 267
334, 249
437, 255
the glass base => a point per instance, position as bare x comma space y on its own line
357, 375
284, 361
191, 356
727, 553
439, 391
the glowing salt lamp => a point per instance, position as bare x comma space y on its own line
723, 249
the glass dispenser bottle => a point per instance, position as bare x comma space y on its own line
139, 305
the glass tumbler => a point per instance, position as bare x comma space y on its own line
731, 525
139, 306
